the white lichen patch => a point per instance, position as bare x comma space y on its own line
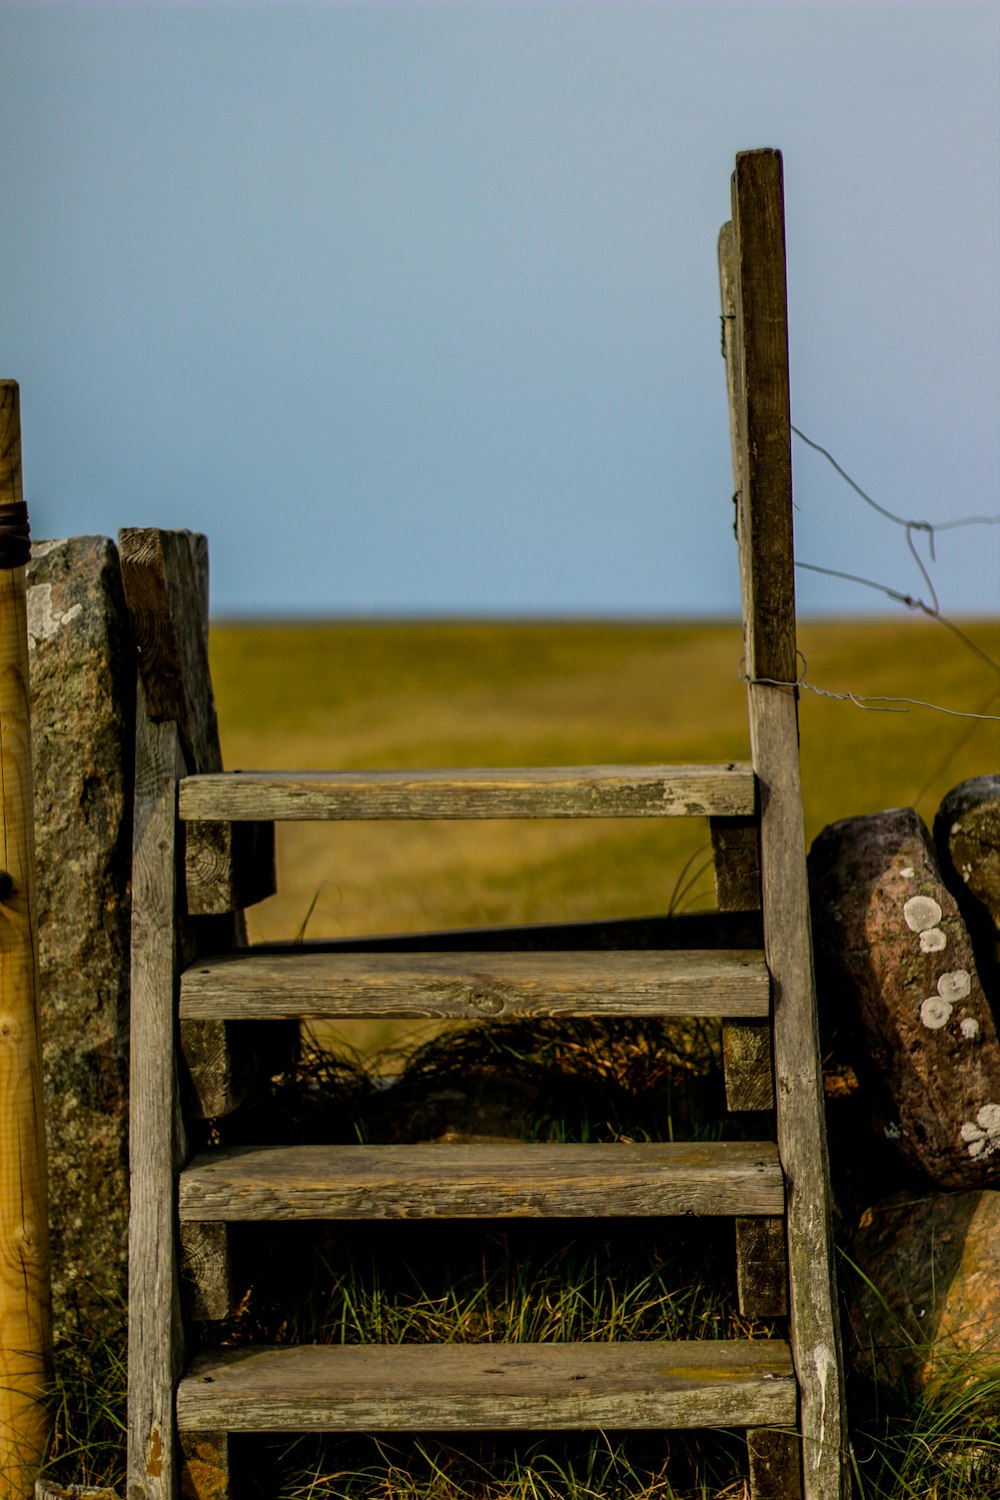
907, 873
936, 1012
954, 986
969, 1027
921, 912
892, 1131
44, 621
982, 1135
933, 940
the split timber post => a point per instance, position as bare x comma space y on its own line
25, 1318
755, 343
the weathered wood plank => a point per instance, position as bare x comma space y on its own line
551, 792
756, 294
206, 1273
520, 1180
314, 985
470, 1387
761, 1268
154, 1314
165, 577
228, 866
747, 1065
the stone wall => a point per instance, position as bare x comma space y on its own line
82, 690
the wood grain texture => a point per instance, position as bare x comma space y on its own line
154, 1311
25, 1310
165, 579
11, 483
314, 985
227, 866
521, 1180
206, 1272
761, 1267
164, 574
747, 1065
552, 792
754, 290
472, 1387
764, 421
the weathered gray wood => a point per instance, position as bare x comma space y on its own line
206, 1271
551, 792
746, 1061
761, 1267
154, 1314
314, 985
228, 866
775, 1464
759, 344
469, 1387
165, 577
205, 1469
483, 1181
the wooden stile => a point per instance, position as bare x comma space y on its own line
775, 1189
25, 1315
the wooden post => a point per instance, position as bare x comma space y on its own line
755, 336
25, 1318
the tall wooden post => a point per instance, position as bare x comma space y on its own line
25, 1324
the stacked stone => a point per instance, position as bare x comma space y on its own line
907, 936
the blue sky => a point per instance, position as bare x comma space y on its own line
413, 308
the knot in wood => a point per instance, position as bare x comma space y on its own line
486, 1002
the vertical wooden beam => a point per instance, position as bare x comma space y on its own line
154, 1144
25, 1315
752, 264
761, 1269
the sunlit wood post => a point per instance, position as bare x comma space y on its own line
25, 1321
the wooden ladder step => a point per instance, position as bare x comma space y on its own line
469, 1387
553, 792
517, 1180
261, 985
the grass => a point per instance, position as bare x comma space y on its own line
398, 694
448, 693
386, 695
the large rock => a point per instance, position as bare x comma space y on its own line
967, 834
925, 1305
892, 946
82, 686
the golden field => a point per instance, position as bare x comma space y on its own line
386, 694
